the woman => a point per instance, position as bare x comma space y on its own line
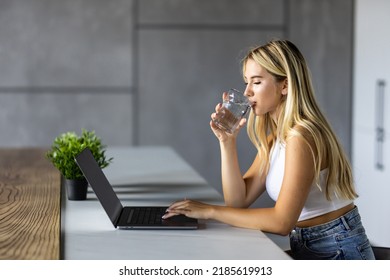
299, 162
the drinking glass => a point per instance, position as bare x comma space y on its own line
234, 107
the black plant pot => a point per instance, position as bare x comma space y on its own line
76, 189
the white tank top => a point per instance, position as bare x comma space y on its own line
316, 203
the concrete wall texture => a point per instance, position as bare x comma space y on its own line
150, 72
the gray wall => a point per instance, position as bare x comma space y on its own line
149, 72
65, 65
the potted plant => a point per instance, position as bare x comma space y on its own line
62, 153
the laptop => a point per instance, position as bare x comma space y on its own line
146, 217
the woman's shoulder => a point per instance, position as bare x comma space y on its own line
301, 136
310, 138
301, 133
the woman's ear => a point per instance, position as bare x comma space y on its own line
285, 87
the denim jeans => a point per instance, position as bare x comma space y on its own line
341, 239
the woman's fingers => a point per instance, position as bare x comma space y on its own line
177, 208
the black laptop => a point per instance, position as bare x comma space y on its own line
146, 217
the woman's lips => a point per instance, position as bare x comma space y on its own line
253, 105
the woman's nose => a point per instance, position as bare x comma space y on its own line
247, 92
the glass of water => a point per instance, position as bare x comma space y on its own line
234, 107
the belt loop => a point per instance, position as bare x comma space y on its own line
345, 223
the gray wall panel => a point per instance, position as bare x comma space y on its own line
65, 43
36, 119
200, 12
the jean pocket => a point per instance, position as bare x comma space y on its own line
320, 249
312, 253
366, 251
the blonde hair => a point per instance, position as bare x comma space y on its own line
299, 115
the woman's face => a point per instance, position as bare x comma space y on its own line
262, 89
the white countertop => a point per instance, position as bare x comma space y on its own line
143, 176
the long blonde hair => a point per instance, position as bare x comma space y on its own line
299, 115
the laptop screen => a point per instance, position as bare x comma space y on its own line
100, 185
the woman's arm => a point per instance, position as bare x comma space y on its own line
239, 191
280, 219
297, 179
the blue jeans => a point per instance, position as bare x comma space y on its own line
341, 239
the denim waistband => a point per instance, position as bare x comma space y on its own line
348, 221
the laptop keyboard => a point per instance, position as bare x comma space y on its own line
146, 215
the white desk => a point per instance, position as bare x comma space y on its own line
155, 176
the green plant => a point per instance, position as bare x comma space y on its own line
68, 145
